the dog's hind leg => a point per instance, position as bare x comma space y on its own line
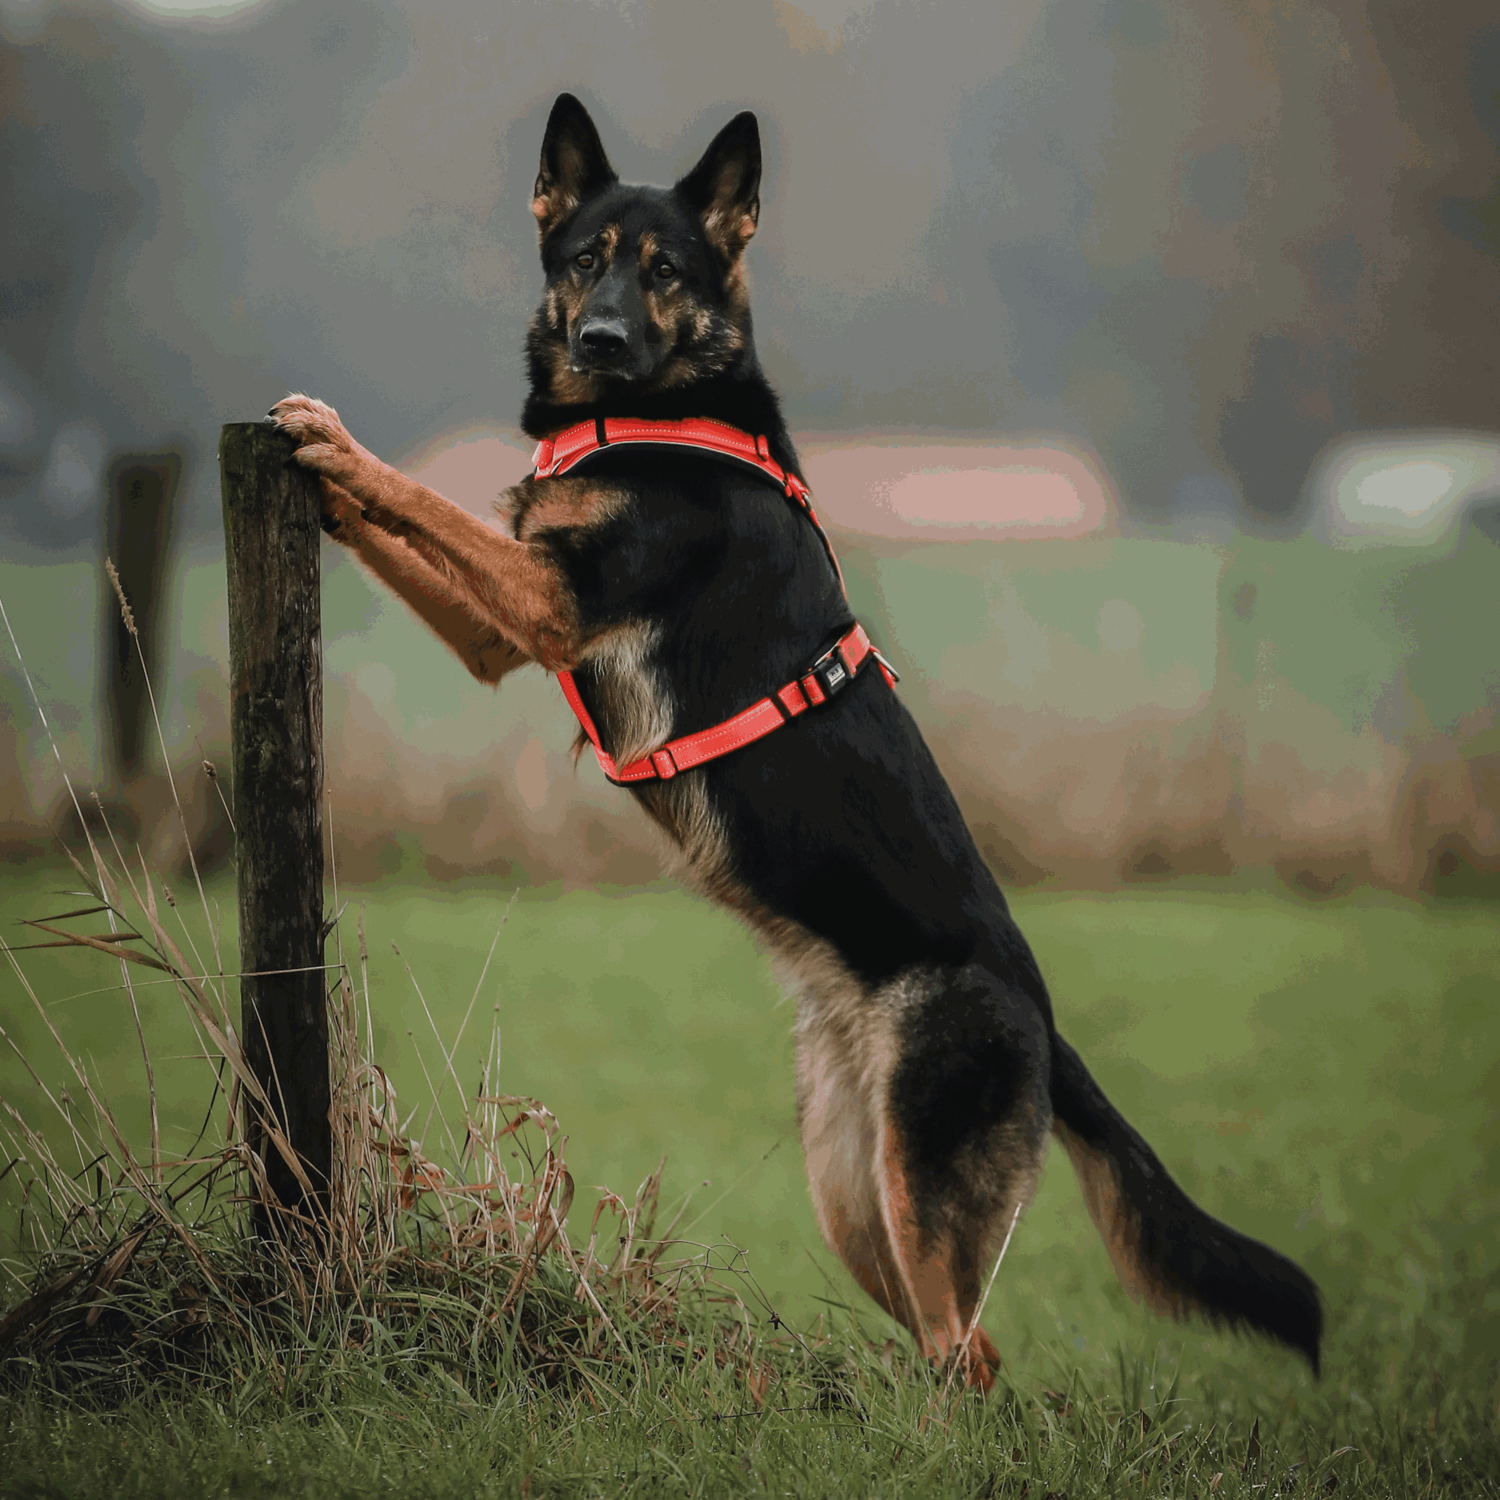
842, 1067
967, 1118
924, 1119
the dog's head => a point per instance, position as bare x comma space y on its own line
645, 290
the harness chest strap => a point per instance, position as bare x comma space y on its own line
829, 675
559, 454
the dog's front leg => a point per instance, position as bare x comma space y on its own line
458, 573
447, 611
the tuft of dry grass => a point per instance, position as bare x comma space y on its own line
141, 1268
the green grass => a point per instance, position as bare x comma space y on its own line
1325, 1076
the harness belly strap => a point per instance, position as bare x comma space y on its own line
827, 677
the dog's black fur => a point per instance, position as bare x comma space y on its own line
680, 590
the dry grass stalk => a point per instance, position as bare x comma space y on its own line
150, 1264
129, 1268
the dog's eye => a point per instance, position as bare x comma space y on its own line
665, 271
584, 261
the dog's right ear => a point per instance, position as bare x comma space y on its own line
724, 188
573, 164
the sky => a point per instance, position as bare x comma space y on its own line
1193, 244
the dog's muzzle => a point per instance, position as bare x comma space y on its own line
604, 340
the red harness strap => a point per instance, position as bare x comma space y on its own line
558, 455
828, 676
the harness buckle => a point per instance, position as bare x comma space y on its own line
892, 676
831, 672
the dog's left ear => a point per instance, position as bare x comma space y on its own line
724, 188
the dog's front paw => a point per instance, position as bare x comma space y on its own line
323, 442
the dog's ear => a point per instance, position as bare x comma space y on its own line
724, 188
574, 165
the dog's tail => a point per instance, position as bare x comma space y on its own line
1166, 1251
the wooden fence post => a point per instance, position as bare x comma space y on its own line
271, 541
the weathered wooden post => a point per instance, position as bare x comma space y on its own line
271, 539
140, 517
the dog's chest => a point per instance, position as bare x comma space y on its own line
633, 704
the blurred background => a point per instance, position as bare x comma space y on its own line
1142, 356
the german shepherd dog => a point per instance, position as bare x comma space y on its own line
670, 586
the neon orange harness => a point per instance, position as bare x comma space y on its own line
828, 676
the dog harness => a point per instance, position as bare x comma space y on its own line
833, 671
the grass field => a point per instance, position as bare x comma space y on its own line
1325, 1076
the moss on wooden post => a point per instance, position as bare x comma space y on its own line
271, 541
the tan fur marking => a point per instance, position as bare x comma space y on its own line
697, 847
726, 229
940, 1270
561, 502
661, 308
570, 298
715, 222
639, 714
1120, 1228
737, 298
636, 708
705, 341
839, 1138
570, 386
551, 205
926, 1269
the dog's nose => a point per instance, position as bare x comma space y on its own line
603, 336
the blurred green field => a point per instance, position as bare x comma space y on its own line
1325, 1076
1356, 666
